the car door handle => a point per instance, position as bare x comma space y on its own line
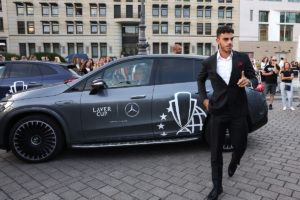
60, 103
138, 97
34, 84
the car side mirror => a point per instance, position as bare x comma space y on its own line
97, 85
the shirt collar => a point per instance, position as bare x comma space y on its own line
219, 57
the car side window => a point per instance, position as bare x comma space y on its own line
46, 70
22, 70
2, 69
175, 70
129, 74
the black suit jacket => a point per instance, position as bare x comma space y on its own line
225, 96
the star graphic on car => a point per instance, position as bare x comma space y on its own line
163, 117
161, 126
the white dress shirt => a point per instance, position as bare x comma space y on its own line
224, 67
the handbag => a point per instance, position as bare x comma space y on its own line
287, 87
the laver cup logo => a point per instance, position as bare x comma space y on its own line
18, 84
186, 113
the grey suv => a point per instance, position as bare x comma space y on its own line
135, 100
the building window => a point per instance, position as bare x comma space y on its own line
1, 24
186, 27
117, 11
94, 27
20, 8
208, 12
199, 11
178, 11
103, 28
164, 48
286, 33
199, 48
221, 1
164, 10
229, 13
230, 1
186, 48
263, 16
251, 15
103, 49
30, 27
199, 28
155, 48
55, 28
46, 27
56, 48
102, 10
70, 27
155, 10
221, 24
93, 10
155, 27
178, 28
221, 11
95, 53
69, 10
129, 11
186, 11
21, 27
289, 17
29, 9
79, 28
31, 48
207, 28
0, 5
78, 9
45, 9
263, 32
47, 47
54, 10
22, 49
164, 27
79, 47
207, 49
71, 48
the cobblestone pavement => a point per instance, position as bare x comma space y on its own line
270, 169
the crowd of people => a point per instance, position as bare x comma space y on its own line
277, 76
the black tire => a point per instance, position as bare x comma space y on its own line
36, 138
227, 147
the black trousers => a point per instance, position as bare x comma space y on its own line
238, 129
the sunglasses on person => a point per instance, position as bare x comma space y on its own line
274, 59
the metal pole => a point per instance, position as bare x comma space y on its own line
142, 44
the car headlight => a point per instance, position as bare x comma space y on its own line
4, 105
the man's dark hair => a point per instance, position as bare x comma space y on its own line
224, 29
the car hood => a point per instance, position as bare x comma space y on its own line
40, 92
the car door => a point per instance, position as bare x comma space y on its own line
22, 76
176, 110
122, 111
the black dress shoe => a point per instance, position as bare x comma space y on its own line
214, 193
231, 169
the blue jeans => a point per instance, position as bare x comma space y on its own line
286, 95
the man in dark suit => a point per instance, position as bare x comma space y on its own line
229, 72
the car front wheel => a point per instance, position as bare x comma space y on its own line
36, 138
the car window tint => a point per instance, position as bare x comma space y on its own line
2, 69
175, 70
128, 74
198, 67
20, 70
35, 71
47, 70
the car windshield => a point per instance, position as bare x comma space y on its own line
2, 68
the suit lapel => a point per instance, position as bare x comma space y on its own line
234, 71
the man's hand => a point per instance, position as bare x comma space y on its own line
205, 103
243, 80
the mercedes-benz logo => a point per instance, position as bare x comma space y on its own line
132, 109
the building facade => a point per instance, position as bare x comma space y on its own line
270, 27
110, 27
3, 27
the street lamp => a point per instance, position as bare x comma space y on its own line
142, 44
